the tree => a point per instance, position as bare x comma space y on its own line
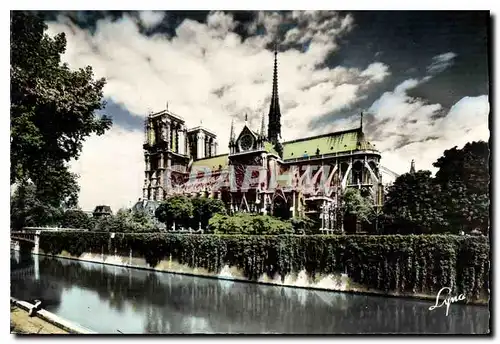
469, 165
56, 185
52, 110
178, 209
464, 210
249, 224
123, 222
204, 208
413, 205
303, 225
144, 221
26, 210
107, 224
75, 218
356, 208
464, 180
126, 221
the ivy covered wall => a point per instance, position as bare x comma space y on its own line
409, 264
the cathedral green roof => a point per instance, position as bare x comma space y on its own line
332, 143
215, 163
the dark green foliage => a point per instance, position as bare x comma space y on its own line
244, 223
303, 225
75, 218
204, 208
355, 205
52, 110
125, 221
143, 220
81, 242
414, 206
464, 179
27, 210
456, 200
470, 165
178, 209
409, 264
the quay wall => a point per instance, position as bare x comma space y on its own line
393, 265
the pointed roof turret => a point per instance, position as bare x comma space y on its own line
274, 126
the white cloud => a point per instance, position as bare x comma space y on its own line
377, 72
111, 169
207, 72
406, 85
151, 19
409, 123
441, 62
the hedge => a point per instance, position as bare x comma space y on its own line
413, 264
249, 224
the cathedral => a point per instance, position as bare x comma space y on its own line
261, 173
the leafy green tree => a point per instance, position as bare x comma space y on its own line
249, 224
356, 209
126, 221
75, 218
143, 220
107, 224
414, 206
465, 211
464, 179
303, 225
52, 110
204, 208
26, 209
178, 209
469, 165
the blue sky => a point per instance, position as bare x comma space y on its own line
422, 78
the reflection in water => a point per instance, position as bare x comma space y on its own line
108, 299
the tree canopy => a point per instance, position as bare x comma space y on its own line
356, 205
413, 204
469, 165
204, 208
53, 110
26, 210
249, 224
456, 200
75, 218
126, 221
178, 209
464, 177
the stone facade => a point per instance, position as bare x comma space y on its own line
261, 173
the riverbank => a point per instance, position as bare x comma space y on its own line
22, 323
42, 321
301, 281
111, 299
401, 266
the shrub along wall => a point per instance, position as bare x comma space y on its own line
410, 264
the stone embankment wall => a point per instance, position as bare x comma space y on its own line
412, 265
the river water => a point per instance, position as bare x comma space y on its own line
111, 299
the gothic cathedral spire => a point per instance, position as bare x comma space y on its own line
274, 126
231, 135
412, 166
263, 127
